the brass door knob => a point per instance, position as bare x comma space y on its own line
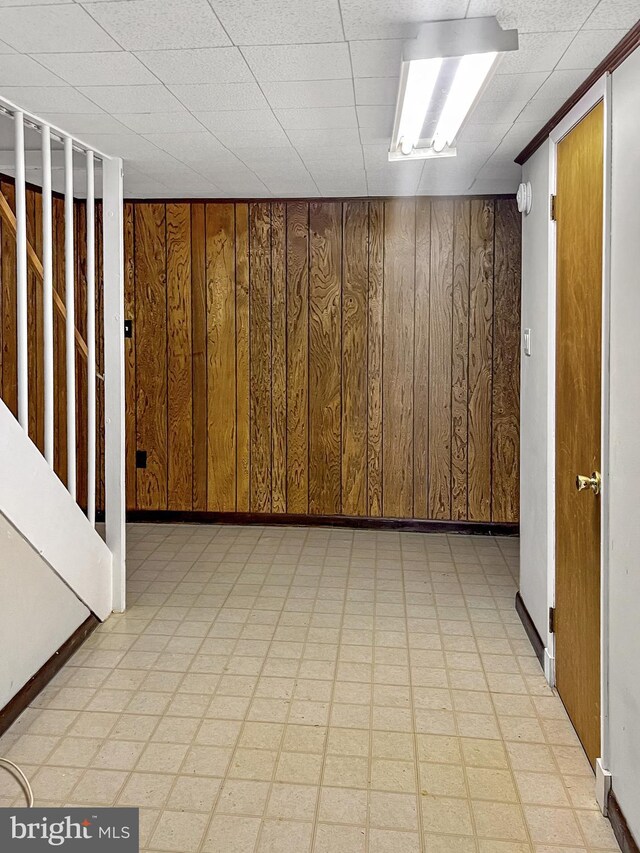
594, 482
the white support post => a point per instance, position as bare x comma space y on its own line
113, 266
47, 297
21, 275
91, 343
70, 326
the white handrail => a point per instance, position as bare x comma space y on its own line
47, 294
21, 276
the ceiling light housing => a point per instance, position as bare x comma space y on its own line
453, 58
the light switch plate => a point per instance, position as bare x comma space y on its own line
527, 341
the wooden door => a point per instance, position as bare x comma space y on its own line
579, 212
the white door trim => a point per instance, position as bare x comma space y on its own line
600, 91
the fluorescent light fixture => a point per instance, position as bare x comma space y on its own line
421, 81
470, 76
450, 61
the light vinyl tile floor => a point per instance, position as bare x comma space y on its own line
288, 690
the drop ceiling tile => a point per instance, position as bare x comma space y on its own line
517, 137
377, 58
195, 145
331, 138
536, 52
132, 99
53, 29
309, 93
495, 186
502, 169
613, 14
589, 48
293, 187
561, 84
269, 137
50, 99
378, 117
111, 68
239, 121
79, 123
18, 70
473, 132
379, 19
220, 96
317, 118
156, 24
31, 2
273, 63
125, 145
376, 91
279, 159
353, 185
498, 112
204, 65
514, 88
280, 21
180, 122
323, 158
533, 17
540, 109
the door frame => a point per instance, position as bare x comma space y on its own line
600, 91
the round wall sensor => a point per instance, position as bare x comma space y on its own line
523, 197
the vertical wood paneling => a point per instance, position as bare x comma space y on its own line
355, 357
421, 359
480, 359
374, 358
260, 354
80, 293
221, 357
399, 283
130, 357
460, 360
297, 357
439, 503
179, 358
242, 359
9, 307
325, 226
279, 357
59, 347
151, 353
506, 362
200, 465
355, 273
33, 286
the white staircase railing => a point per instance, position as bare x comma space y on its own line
113, 332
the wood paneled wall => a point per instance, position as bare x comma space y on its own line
355, 358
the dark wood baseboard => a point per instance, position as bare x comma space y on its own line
25, 696
530, 628
415, 525
620, 827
